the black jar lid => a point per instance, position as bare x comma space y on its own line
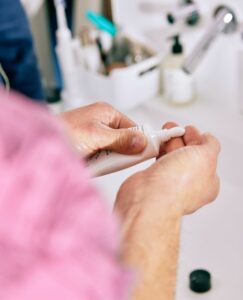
200, 281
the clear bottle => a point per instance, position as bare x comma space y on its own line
178, 86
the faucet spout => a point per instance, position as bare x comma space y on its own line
225, 22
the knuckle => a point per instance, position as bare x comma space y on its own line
90, 128
215, 188
217, 185
103, 105
214, 142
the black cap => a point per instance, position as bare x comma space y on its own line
200, 281
177, 47
170, 18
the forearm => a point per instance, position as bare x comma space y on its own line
151, 248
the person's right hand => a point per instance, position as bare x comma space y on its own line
183, 179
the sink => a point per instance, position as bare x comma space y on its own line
211, 239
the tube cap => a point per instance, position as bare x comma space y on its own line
168, 134
200, 281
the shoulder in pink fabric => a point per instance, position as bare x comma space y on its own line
57, 239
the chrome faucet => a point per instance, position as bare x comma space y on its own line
225, 21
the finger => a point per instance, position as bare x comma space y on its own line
173, 144
210, 148
212, 193
123, 141
125, 122
111, 117
192, 136
216, 188
121, 121
211, 143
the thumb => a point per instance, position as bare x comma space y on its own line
124, 141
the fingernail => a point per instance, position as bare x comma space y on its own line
138, 141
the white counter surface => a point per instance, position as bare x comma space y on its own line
212, 238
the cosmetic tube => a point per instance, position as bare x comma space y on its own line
106, 162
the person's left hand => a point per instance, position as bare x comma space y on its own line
100, 127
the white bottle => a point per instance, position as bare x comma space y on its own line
72, 94
178, 86
64, 46
106, 162
89, 54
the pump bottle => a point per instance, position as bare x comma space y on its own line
178, 86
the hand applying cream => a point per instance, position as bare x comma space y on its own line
106, 162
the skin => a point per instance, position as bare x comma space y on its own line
101, 127
151, 203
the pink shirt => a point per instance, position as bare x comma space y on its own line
57, 239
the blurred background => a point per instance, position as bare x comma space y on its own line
160, 60
149, 21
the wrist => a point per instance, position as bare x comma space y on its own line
139, 195
147, 222
150, 245
142, 213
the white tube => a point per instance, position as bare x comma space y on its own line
106, 162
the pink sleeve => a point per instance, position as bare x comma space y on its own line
57, 239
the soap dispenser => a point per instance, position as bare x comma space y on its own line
178, 86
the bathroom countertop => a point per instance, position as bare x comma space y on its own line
211, 237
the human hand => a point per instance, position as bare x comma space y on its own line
100, 127
183, 178
151, 204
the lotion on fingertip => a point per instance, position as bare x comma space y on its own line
106, 162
